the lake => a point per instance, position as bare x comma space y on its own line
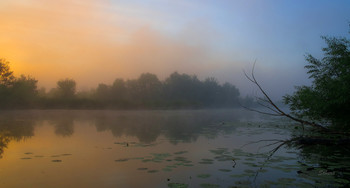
175, 148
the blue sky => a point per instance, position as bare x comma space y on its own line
275, 33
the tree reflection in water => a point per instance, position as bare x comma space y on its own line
14, 128
146, 126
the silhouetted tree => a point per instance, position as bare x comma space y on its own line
133, 92
230, 95
6, 78
16, 92
66, 88
328, 98
149, 88
103, 92
178, 90
210, 92
24, 91
118, 89
182, 89
6, 75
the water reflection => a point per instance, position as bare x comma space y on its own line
14, 129
113, 148
146, 126
64, 127
325, 164
178, 126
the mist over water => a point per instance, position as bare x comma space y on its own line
194, 148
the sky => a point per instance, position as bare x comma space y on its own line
97, 41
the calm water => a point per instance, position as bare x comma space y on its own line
198, 148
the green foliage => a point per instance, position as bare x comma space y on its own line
328, 98
16, 92
6, 76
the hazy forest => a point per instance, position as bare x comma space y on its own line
145, 92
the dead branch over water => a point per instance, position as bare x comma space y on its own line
267, 103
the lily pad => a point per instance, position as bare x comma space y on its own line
208, 185
250, 164
225, 170
239, 175
224, 158
243, 182
219, 151
180, 152
180, 159
203, 175
249, 159
167, 169
177, 185
205, 162
188, 165
121, 160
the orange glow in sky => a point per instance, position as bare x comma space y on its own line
88, 41
97, 41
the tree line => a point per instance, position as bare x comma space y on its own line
147, 91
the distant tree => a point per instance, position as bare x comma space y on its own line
210, 92
103, 92
133, 91
210, 88
118, 90
66, 88
183, 88
229, 95
42, 92
24, 91
6, 75
149, 87
328, 98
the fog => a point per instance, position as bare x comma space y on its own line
96, 42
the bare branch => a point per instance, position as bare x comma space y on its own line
269, 145
248, 77
254, 142
268, 107
277, 111
260, 112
